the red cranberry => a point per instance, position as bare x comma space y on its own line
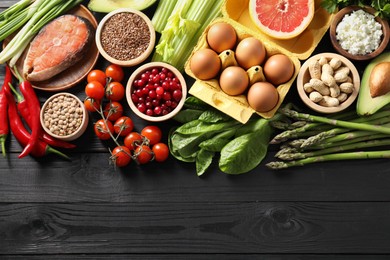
156, 92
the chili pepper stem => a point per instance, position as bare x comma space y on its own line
2, 140
50, 149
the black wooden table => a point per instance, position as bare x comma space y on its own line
52, 208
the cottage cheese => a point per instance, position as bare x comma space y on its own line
359, 33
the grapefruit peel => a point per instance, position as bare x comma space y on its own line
282, 19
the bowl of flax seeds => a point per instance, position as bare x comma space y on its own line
125, 37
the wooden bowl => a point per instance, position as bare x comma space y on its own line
113, 58
73, 75
131, 86
84, 121
304, 77
338, 18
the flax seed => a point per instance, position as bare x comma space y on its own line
125, 36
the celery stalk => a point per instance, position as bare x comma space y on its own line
186, 46
183, 29
162, 13
176, 25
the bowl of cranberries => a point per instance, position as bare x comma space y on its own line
156, 91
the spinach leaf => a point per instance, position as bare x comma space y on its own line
218, 141
203, 161
199, 127
187, 115
214, 116
245, 152
196, 103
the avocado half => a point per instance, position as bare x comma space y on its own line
106, 6
366, 105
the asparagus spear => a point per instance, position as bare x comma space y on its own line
277, 165
346, 147
347, 138
335, 122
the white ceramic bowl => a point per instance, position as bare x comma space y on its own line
45, 114
105, 51
146, 67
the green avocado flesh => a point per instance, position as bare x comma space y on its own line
106, 6
366, 105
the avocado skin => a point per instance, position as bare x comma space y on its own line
106, 6
366, 105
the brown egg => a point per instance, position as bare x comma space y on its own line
205, 64
234, 80
221, 36
262, 96
278, 69
250, 52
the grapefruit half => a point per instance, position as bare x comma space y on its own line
282, 19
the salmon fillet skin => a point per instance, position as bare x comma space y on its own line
58, 45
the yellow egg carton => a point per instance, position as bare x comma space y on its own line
301, 46
236, 14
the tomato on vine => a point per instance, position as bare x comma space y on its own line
91, 104
121, 156
143, 154
115, 91
95, 90
115, 72
97, 75
132, 140
113, 111
152, 133
103, 129
123, 126
161, 152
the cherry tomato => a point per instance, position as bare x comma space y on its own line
121, 156
143, 154
97, 75
91, 104
102, 130
152, 133
113, 111
115, 72
94, 90
161, 152
123, 126
133, 140
115, 91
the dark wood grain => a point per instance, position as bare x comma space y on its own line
89, 177
251, 227
201, 256
84, 208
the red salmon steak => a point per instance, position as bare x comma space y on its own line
58, 45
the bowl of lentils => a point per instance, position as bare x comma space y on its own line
357, 33
125, 37
64, 116
156, 91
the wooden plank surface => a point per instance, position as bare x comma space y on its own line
192, 228
51, 208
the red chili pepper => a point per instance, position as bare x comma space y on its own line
4, 128
34, 107
25, 113
20, 132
